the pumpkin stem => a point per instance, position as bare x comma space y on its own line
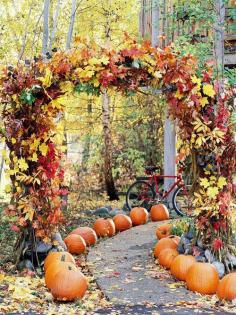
63, 258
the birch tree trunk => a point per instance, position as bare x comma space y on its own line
2, 164
109, 181
71, 25
24, 39
45, 27
54, 28
219, 41
86, 149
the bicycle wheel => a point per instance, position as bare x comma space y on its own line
183, 201
140, 194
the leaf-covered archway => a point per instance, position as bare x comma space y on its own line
32, 102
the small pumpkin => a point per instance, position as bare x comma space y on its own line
104, 227
167, 242
180, 266
75, 244
58, 256
122, 222
202, 278
138, 216
167, 256
68, 284
87, 233
159, 213
227, 287
175, 238
52, 270
163, 231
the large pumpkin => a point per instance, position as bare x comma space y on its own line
163, 231
53, 269
180, 266
202, 278
68, 284
122, 222
138, 216
159, 213
58, 256
104, 227
227, 287
167, 242
167, 256
75, 244
87, 233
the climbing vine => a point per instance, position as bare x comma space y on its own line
33, 99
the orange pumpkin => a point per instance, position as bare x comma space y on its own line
163, 231
227, 287
58, 256
87, 233
138, 216
202, 278
104, 227
75, 244
167, 242
52, 270
175, 238
167, 256
159, 213
122, 222
180, 266
68, 284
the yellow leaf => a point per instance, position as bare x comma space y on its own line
208, 90
43, 148
23, 166
212, 192
178, 95
197, 81
204, 101
8, 188
2, 277
47, 79
157, 75
34, 158
34, 145
221, 182
13, 140
204, 182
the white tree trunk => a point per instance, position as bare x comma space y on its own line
71, 25
54, 28
219, 41
45, 27
155, 22
24, 39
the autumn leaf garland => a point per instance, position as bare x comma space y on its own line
35, 98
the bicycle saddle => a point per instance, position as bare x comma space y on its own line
151, 168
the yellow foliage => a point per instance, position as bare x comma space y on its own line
208, 90
43, 148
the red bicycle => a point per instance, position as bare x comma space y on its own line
147, 191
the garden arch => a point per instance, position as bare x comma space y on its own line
31, 96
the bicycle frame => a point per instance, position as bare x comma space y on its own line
154, 179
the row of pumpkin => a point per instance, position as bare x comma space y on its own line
65, 281
200, 277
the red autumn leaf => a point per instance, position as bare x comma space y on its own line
217, 244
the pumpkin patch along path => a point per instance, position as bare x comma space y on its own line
124, 269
